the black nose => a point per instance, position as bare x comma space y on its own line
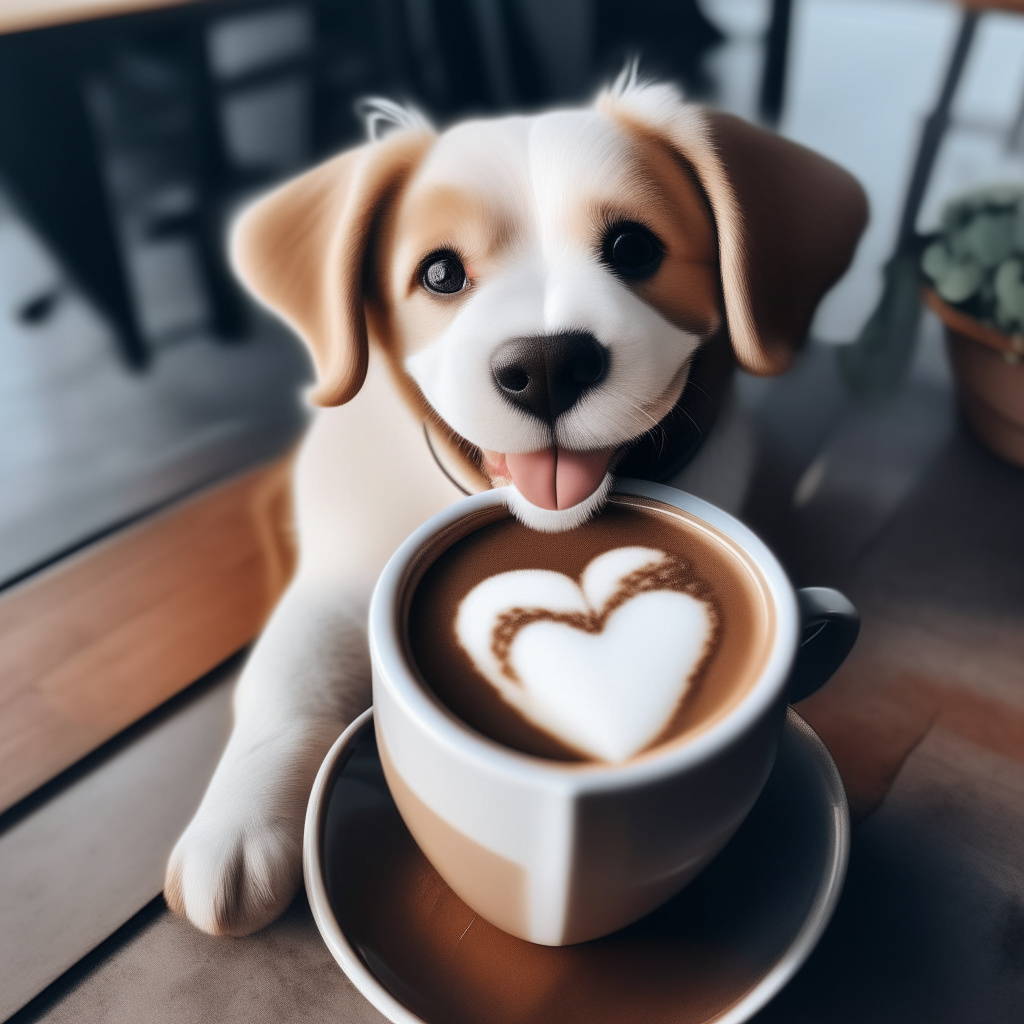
546, 375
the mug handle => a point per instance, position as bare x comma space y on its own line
830, 626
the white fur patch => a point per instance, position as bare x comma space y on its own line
382, 116
546, 520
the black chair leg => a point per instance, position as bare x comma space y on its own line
773, 82
875, 365
50, 164
228, 309
935, 128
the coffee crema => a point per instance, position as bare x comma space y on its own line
642, 627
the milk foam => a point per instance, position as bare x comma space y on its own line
594, 664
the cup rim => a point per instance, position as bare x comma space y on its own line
387, 648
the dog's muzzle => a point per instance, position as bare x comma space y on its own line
545, 376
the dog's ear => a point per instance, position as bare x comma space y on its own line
788, 220
304, 251
800, 217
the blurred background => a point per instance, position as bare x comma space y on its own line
132, 370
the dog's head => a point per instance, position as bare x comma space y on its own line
540, 284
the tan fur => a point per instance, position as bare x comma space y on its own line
393, 232
425, 220
668, 199
302, 251
174, 897
788, 221
686, 130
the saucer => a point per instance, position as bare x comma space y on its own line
718, 951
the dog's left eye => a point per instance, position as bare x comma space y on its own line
632, 251
443, 272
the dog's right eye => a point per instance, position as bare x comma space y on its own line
443, 272
633, 251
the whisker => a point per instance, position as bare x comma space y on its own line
700, 387
657, 432
643, 412
696, 425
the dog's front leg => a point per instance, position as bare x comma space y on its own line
239, 863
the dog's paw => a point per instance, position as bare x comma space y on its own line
239, 863
233, 877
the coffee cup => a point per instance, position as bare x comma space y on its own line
555, 807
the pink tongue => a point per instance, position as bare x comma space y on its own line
555, 478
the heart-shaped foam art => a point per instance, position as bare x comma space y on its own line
601, 665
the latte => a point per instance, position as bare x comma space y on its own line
642, 627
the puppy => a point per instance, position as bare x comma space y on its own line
534, 302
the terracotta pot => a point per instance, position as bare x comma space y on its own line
989, 369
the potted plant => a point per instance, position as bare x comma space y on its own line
975, 266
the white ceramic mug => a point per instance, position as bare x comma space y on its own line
561, 852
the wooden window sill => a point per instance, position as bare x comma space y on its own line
98, 640
22, 15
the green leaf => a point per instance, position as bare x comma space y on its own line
1009, 289
1018, 228
936, 260
959, 282
989, 238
